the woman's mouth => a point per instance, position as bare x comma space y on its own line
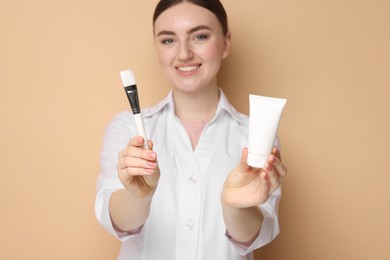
188, 68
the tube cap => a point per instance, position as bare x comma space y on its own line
255, 160
128, 78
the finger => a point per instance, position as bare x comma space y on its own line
138, 166
138, 152
273, 177
150, 145
136, 141
276, 152
264, 182
243, 165
134, 171
137, 163
135, 160
277, 165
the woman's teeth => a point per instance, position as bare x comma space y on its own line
188, 68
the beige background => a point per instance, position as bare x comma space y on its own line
59, 83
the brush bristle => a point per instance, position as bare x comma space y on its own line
128, 78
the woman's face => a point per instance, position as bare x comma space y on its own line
190, 46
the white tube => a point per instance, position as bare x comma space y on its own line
264, 117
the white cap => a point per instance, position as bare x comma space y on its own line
255, 160
127, 77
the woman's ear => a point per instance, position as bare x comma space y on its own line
226, 45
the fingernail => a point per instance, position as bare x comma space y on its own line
152, 164
152, 155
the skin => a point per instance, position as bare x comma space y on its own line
190, 47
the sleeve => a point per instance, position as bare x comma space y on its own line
117, 135
270, 227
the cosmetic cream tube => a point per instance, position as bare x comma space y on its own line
264, 117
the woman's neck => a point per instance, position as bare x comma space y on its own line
197, 106
195, 110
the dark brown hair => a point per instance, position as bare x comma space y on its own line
214, 6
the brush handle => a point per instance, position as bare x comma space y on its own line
140, 128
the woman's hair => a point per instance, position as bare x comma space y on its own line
214, 6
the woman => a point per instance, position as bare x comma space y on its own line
191, 195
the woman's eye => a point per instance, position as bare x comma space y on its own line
167, 41
201, 37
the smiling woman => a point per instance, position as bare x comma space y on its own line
331, 59
191, 194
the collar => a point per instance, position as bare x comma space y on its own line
167, 102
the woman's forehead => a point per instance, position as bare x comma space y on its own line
185, 16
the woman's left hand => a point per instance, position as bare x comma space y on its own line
247, 186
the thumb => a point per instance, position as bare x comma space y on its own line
150, 145
264, 181
243, 165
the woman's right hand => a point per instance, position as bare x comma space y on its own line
138, 169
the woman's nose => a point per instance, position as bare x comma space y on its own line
185, 52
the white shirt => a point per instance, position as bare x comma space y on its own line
185, 220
